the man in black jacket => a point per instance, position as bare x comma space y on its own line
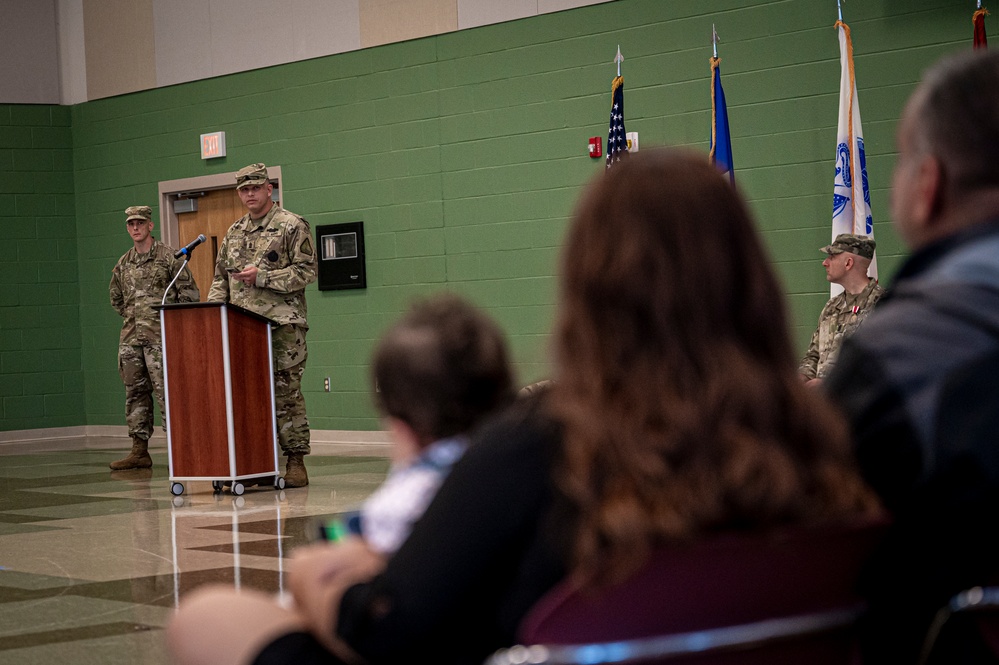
920, 380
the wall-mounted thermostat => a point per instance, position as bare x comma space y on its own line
341, 256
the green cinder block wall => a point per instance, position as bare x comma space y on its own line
41, 376
463, 154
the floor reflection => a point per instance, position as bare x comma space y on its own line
92, 562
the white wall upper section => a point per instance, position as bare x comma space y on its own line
29, 51
196, 39
183, 34
46, 46
72, 52
548, 6
472, 13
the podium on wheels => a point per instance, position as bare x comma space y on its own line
219, 385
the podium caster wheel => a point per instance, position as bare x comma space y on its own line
177, 489
237, 488
217, 485
279, 483
239, 502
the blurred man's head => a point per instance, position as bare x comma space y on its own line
947, 175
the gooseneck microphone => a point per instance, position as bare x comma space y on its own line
186, 253
190, 246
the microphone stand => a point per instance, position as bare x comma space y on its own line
187, 257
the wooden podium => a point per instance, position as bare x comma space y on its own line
219, 384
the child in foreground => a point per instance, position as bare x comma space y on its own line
438, 372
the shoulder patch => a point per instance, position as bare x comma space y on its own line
307, 246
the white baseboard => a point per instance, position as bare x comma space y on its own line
324, 442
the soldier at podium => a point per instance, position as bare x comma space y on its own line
138, 281
266, 260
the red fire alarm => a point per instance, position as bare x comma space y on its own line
595, 147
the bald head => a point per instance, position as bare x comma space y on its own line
947, 174
956, 113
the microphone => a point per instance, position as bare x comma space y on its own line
190, 246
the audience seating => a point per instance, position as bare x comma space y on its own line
970, 621
786, 597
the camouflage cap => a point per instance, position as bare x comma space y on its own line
254, 174
138, 212
847, 242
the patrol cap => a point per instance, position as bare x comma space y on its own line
138, 212
854, 244
254, 174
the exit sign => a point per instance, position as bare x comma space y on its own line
213, 145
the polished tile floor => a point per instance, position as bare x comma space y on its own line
93, 562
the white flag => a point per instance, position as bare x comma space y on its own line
851, 193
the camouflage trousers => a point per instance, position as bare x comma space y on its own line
141, 370
289, 407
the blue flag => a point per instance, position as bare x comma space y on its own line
617, 140
721, 138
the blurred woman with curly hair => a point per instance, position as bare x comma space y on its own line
677, 390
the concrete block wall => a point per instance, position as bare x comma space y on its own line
42, 377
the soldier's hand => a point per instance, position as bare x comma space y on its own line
247, 275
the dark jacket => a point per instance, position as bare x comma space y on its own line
919, 383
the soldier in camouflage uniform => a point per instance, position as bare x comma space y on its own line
137, 283
264, 264
849, 257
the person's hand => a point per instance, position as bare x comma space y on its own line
814, 383
247, 275
319, 575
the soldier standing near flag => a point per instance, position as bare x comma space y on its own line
264, 264
138, 281
849, 257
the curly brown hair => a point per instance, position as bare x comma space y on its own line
676, 381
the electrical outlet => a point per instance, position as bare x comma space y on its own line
326, 384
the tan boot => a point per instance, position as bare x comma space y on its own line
294, 472
137, 459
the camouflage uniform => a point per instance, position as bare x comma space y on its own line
280, 245
137, 283
841, 316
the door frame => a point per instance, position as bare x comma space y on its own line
169, 191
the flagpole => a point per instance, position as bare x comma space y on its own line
839, 9
851, 189
619, 59
714, 112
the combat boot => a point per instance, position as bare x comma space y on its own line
294, 472
137, 459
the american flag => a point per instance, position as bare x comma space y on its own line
617, 140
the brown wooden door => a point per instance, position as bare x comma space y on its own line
216, 212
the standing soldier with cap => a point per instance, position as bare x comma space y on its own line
849, 257
138, 281
264, 264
